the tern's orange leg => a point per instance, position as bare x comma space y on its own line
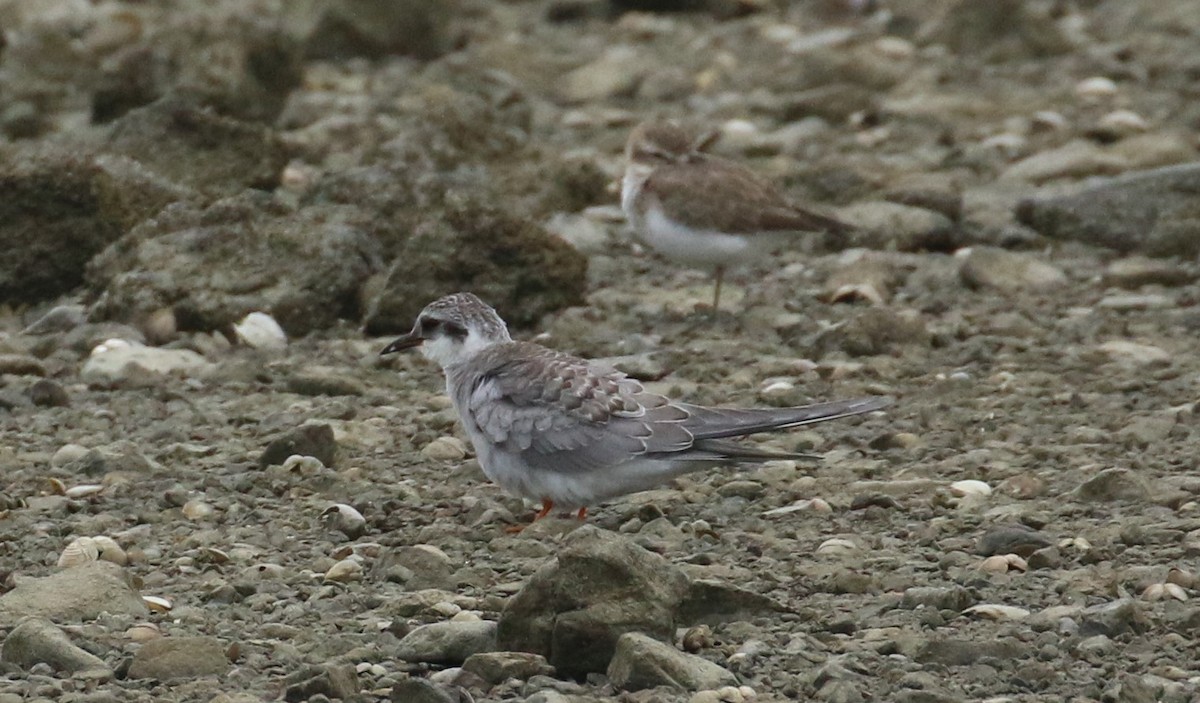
582, 514
547, 506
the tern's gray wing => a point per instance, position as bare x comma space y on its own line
561, 413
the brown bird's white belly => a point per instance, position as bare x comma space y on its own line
684, 244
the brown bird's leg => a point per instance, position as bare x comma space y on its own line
717, 290
582, 514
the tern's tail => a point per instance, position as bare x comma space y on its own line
719, 423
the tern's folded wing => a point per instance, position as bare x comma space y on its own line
560, 413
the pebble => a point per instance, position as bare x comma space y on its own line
1138, 271
1135, 352
1006, 271
445, 448
1075, 159
1112, 485
119, 361
447, 643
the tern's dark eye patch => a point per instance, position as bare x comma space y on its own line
431, 326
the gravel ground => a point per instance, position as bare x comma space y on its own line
282, 520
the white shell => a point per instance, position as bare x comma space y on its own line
143, 632
260, 331
83, 491
1124, 122
109, 345
837, 545
81, 550
970, 487
1016, 563
196, 509
345, 519
157, 604
993, 611
303, 465
1162, 591
344, 571
1096, 87
110, 550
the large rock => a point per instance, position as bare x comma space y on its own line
574, 609
195, 146
79, 593
213, 266
38, 640
52, 221
1001, 29
1155, 212
371, 28
507, 260
173, 658
243, 64
644, 662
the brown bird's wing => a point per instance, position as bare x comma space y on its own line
711, 193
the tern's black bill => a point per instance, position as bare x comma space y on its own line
408, 341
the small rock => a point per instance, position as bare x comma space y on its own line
119, 361
337, 681
314, 382
1113, 485
45, 393
643, 662
449, 643
1011, 539
711, 601
445, 449
1113, 619
872, 331
496, 667
1135, 353
615, 73
333, 29
37, 640
1076, 159
954, 598
61, 318
892, 226
81, 593
1138, 271
21, 365
998, 269
411, 689
962, 652
174, 658
1153, 212
313, 439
